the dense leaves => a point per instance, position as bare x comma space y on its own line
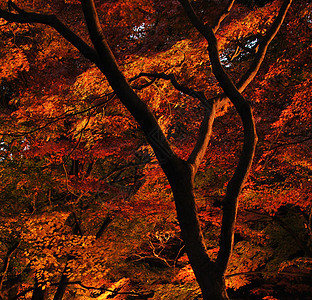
82, 195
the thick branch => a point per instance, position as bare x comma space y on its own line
139, 110
250, 138
197, 23
104, 225
203, 139
26, 17
234, 188
260, 54
62, 285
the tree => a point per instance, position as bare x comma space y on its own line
180, 172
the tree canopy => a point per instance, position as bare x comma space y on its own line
128, 147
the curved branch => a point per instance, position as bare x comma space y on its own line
263, 46
26, 17
222, 16
250, 139
143, 86
183, 89
234, 188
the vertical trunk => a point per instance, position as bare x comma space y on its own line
213, 286
61, 288
39, 293
210, 280
210, 275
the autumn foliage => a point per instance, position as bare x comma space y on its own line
85, 202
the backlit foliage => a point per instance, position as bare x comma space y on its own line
72, 157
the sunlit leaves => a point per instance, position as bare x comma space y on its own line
16, 61
70, 147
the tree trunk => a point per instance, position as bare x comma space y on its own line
61, 288
39, 293
212, 285
211, 281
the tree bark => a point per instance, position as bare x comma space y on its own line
213, 286
39, 293
61, 289
211, 281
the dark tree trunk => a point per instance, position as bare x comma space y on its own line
212, 285
61, 288
210, 279
39, 293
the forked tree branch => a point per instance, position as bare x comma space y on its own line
249, 75
254, 67
205, 130
244, 110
